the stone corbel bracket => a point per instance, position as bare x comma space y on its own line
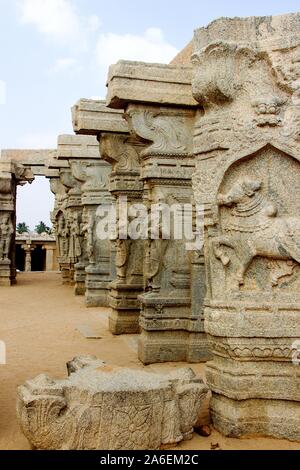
95, 118
160, 111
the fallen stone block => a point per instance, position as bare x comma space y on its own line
103, 407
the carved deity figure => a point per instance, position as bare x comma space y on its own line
75, 234
62, 236
254, 229
122, 255
156, 248
6, 233
129, 254
88, 233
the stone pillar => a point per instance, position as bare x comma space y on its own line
91, 174
125, 185
59, 216
247, 151
70, 148
160, 109
7, 217
50, 249
73, 219
28, 248
11, 174
99, 272
122, 152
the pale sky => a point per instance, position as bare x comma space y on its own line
53, 52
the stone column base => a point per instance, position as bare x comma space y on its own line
274, 418
97, 287
170, 333
172, 346
65, 273
126, 308
254, 374
80, 277
5, 273
72, 275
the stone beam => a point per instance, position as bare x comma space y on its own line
30, 158
83, 147
139, 82
92, 117
55, 164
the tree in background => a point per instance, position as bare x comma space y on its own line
22, 227
42, 228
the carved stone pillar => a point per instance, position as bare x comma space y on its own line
7, 217
59, 216
11, 174
28, 249
160, 110
247, 151
91, 174
125, 185
73, 220
82, 154
122, 152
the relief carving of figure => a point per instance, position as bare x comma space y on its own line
62, 236
129, 255
6, 233
254, 229
156, 249
75, 234
88, 231
122, 255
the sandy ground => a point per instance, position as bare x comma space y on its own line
39, 321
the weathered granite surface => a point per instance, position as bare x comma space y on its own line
246, 144
101, 407
122, 153
160, 111
87, 181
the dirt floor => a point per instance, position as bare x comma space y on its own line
39, 321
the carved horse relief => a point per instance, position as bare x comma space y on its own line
255, 229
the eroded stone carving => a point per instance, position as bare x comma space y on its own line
255, 230
96, 257
126, 186
62, 236
6, 233
105, 407
171, 328
161, 119
247, 151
